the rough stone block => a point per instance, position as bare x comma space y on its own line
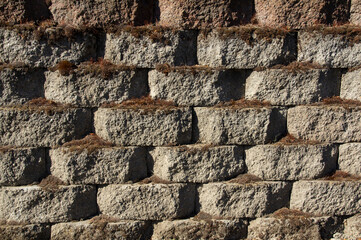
147, 47
193, 87
32, 127
299, 14
245, 126
245, 48
12, 82
18, 11
147, 201
353, 227
326, 123
21, 166
90, 90
19, 45
350, 158
190, 229
103, 166
32, 204
329, 49
102, 12
351, 85
84, 230
327, 197
144, 127
243, 200
355, 12
291, 162
197, 163
283, 87
204, 13
18, 232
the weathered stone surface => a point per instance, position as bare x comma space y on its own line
220, 48
204, 13
90, 90
327, 197
22, 166
102, 12
103, 166
283, 87
353, 227
351, 85
355, 12
197, 163
21, 127
291, 162
14, 47
190, 229
17, 11
35, 205
12, 82
326, 123
299, 14
147, 201
331, 50
245, 126
197, 87
22, 232
84, 230
144, 127
349, 159
243, 200
164, 46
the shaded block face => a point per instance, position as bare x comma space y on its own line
32, 231
147, 202
204, 13
18, 11
351, 85
350, 157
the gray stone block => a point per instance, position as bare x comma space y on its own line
151, 47
20, 232
14, 47
12, 82
325, 123
243, 200
327, 197
351, 85
353, 227
32, 204
147, 201
198, 163
349, 159
245, 126
21, 166
355, 12
103, 166
144, 127
328, 49
23, 127
291, 162
282, 87
197, 87
218, 48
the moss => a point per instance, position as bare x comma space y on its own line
285, 213
14, 66
294, 67
291, 140
166, 69
348, 104
154, 179
90, 143
342, 176
349, 33
65, 68
245, 179
354, 68
5, 149
51, 183
243, 103
195, 150
40, 105
102, 68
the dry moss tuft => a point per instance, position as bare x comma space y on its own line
337, 101
354, 68
166, 69
51, 183
65, 68
39, 105
294, 67
207, 217
291, 140
285, 213
342, 176
89, 143
154, 179
14, 66
243, 103
245, 178
4, 149
349, 33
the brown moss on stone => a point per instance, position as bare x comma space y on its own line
291, 140
4, 149
51, 183
39, 105
166, 69
90, 143
286, 213
65, 68
349, 33
342, 176
337, 101
294, 67
245, 179
14, 66
243, 103
154, 180
102, 68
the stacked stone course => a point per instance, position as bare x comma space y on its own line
180, 119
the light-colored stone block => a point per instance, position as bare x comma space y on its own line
351, 85
353, 227
349, 159
355, 12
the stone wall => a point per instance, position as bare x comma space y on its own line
180, 119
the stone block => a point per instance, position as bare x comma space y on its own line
351, 85
197, 163
244, 126
291, 162
245, 48
32, 204
147, 201
355, 12
352, 227
327, 197
21, 166
325, 123
249, 200
350, 158
18, 232
144, 127
197, 87
146, 47
283, 87
102, 166
19, 11
36, 127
